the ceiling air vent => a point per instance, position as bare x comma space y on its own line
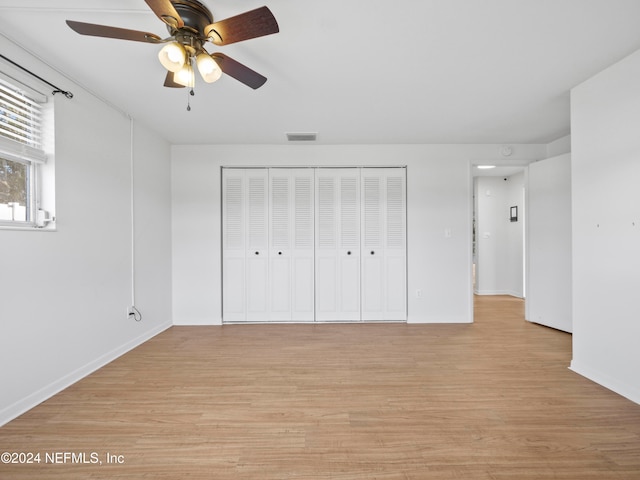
302, 137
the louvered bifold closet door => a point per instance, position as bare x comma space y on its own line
384, 244
337, 244
257, 240
244, 244
291, 244
303, 261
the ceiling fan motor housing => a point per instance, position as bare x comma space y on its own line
194, 15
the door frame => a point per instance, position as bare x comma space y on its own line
504, 170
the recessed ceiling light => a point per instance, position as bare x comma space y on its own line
485, 167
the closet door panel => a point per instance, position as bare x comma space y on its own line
349, 251
303, 252
384, 244
337, 244
280, 244
257, 201
395, 246
291, 244
233, 245
326, 246
372, 245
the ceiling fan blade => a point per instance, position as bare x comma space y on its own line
238, 71
112, 32
169, 81
166, 12
252, 24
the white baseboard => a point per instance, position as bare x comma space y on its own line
418, 319
21, 406
628, 391
196, 321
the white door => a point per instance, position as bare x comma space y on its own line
257, 244
302, 242
384, 244
337, 244
291, 266
245, 244
233, 245
549, 248
280, 245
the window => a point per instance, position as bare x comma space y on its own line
21, 155
15, 188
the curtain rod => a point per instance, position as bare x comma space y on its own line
66, 93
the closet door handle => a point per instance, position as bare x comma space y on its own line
372, 252
349, 252
279, 253
257, 253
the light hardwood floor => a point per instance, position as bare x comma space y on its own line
490, 400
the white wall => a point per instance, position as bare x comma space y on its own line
559, 147
605, 119
499, 242
515, 234
549, 242
65, 293
439, 199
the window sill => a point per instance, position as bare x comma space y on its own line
29, 228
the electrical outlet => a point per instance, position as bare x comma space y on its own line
134, 313
419, 293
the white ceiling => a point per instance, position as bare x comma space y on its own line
355, 72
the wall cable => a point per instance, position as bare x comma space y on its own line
133, 311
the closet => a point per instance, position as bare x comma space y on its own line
313, 244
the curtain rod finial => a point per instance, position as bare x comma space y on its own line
66, 94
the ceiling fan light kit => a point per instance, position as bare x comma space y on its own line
208, 68
191, 26
185, 76
172, 56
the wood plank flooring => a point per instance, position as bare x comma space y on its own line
490, 400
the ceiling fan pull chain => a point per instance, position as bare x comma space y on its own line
191, 94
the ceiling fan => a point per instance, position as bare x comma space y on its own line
191, 25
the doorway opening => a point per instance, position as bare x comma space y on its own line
498, 228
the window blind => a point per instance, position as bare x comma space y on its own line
20, 126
